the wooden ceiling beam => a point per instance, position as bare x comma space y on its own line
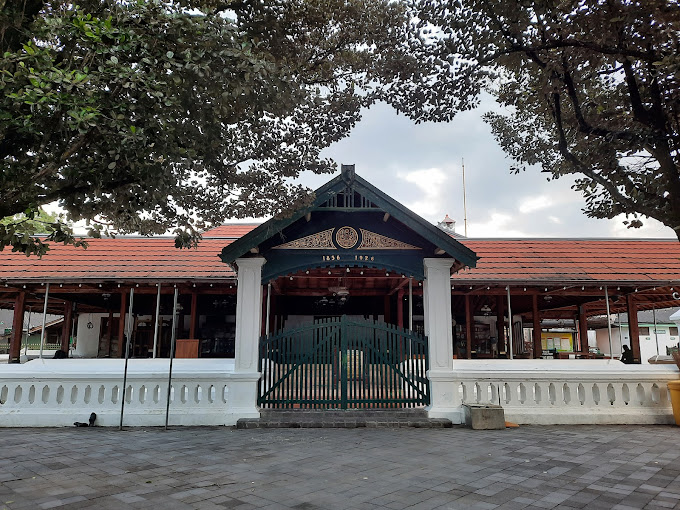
401, 285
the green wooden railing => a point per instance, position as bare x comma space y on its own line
32, 345
343, 363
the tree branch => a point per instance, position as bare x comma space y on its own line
611, 187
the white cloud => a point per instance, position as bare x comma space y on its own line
430, 187
650, 228
532, 204
555, 219
498, 225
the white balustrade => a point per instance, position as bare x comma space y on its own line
210, 392
550, 392
47, 393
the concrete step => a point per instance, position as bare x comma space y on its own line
336, 418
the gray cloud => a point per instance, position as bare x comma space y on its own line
386, 147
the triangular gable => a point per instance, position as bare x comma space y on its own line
351, 199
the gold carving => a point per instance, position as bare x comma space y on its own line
319, 241
373, 241
346, 237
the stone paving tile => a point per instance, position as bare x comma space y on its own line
217, 468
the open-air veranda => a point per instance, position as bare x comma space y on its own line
354, 253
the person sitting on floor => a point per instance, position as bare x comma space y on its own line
627, 355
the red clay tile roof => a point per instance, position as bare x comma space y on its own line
568, 260
118, 259
128, 258
501, 260
233, 230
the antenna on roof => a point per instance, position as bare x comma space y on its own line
464, 200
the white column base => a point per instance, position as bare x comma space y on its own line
445, 401
242, 398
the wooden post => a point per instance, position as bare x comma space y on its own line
400, 308
194, 310
272, 313
583, 328
469, 330
66, 326
536, 318
263, 313
17, 328
511, 327
500, 323
633, 329
121, 324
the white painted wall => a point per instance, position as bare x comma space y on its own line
87, 339
648, 343
602, 342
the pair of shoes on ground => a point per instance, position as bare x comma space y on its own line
90, 423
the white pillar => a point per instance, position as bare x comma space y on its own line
243, 397
444, 400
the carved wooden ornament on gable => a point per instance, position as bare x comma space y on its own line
346, 238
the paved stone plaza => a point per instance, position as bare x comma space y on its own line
559, 467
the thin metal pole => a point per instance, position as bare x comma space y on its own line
609, 323
510, 328
618, 318
44, 320
158, 320
656, 334
172, 355
28, 332
464, 199
410, 303
269, 304
74, 309
128, 332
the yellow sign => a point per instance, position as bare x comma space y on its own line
562, 342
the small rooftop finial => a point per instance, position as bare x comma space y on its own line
347, 172
448, 225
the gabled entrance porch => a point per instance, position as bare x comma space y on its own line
351, 231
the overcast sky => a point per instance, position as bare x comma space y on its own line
420, 166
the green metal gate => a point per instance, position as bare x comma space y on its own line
343, 363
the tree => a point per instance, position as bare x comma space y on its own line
21, 231
590, 87
150, 116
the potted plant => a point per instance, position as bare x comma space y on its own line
674, 388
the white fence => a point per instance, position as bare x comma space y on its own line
547, 392
48, 393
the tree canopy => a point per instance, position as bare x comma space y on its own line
589, 87
23, 229
150, 116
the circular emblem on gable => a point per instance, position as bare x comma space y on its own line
346, 237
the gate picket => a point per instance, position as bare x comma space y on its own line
343, 362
